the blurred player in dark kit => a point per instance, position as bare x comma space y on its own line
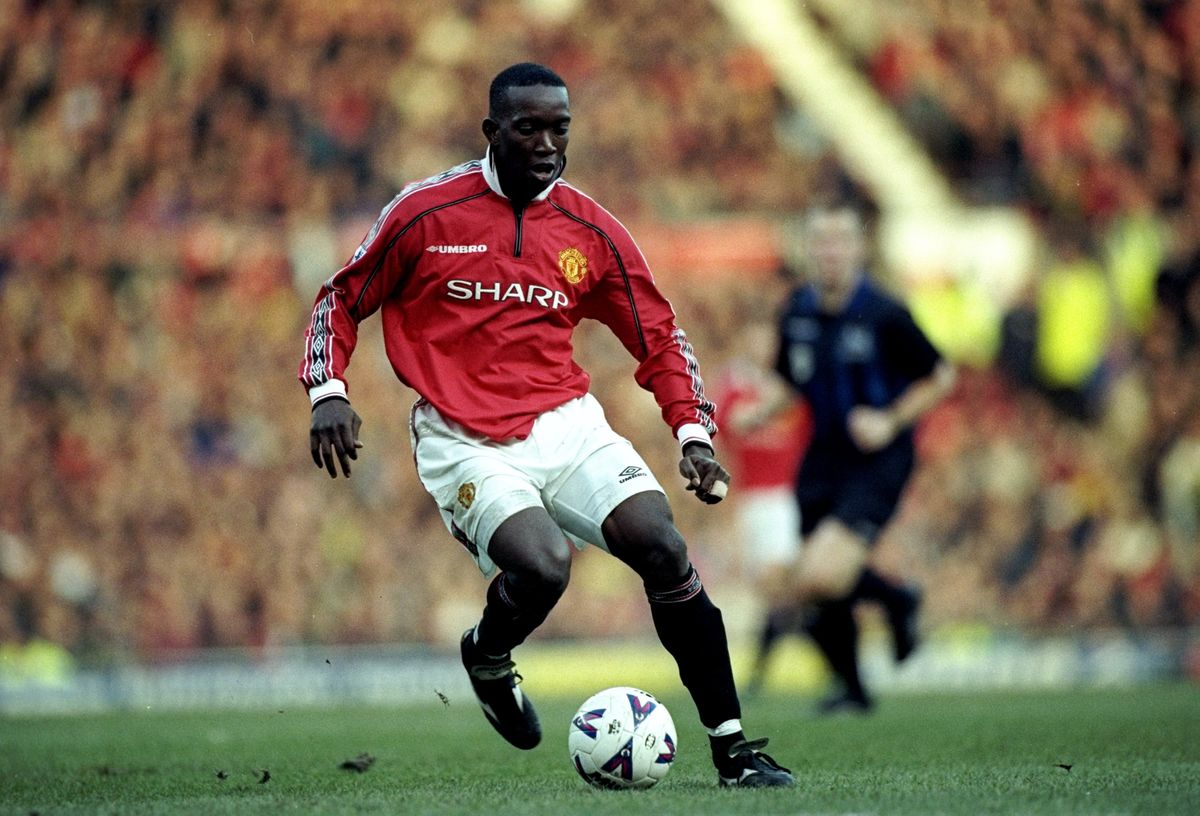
482, 273
868, 374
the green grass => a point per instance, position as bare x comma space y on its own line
1131, 751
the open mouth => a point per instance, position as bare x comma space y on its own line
543, 170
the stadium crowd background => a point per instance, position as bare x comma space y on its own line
176, 178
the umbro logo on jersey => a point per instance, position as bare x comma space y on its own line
456, 249
631, 472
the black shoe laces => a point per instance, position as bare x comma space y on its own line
752, 750
495, 671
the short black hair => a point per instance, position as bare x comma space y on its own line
521, 75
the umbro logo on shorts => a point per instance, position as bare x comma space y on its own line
631, 472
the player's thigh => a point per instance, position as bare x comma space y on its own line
871, 491
817, 488
641, 532
476, 487
530, 545
831, 561
606, 477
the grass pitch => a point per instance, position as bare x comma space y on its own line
1110, 751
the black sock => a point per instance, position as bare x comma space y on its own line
774, 627
691, 629
835, 632
509, 617
872, 586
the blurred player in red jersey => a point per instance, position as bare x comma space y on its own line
481, 274
764, 456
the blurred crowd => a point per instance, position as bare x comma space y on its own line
177, 178
1080, 493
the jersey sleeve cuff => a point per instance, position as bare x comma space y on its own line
693, 432
327, 389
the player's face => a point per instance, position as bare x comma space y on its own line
529, 139
835, 249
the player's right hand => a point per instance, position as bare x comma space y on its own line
334, 433
872, 429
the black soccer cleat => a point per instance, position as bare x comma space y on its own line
843, 702
748, 767
496, 687
903, 621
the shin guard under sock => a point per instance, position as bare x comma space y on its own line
509, 617
872, 586
835, 632
691, 629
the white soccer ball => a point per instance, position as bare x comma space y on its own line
622, 738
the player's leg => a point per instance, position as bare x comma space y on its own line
774, 626
769, 527
824, 574
535, 562
827, 572
901, 605
612, 500
641, 532
870, 500
492, 506
784, 615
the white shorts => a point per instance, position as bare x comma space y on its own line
572, 464
769, 526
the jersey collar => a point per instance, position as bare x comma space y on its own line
853, 300
493, 181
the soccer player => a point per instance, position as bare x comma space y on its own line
868, 374
482, 272
763, 458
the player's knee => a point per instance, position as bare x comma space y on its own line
829, 584
664, 557
642, 533
550, 573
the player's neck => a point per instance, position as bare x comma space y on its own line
834, 301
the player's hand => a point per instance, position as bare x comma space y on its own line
334, 435
871, 429
704, 473
746, 419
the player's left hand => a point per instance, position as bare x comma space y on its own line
871, 429
704, 473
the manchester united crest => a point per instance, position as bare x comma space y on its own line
466, 494
573, 264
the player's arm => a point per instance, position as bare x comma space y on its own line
630, 304
874, 428
776, 399
349, 296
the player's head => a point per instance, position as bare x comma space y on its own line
835, 247
529, 116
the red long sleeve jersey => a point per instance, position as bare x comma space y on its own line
479, 302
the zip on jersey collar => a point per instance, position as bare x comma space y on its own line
493, 181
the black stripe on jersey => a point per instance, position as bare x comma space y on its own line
399, 235
637, 322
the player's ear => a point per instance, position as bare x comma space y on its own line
491, 130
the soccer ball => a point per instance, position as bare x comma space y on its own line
622, 738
